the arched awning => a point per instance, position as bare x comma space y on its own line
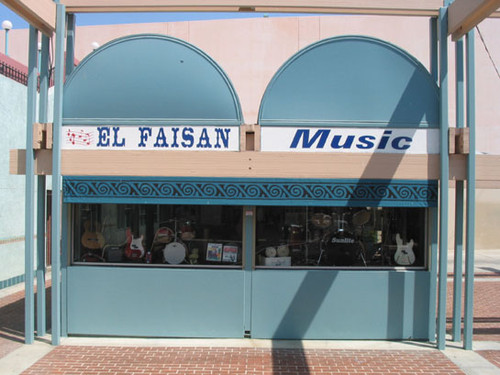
351, 81
152, 79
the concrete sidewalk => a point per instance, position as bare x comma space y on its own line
84, 355
486, 262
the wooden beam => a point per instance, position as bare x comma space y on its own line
464, 15
381, 7
258, 165
39, 13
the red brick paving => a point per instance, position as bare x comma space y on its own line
486, 310
12, 320
11, 323
491, 355
78, 360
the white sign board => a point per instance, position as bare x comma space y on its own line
194, 138
358, 140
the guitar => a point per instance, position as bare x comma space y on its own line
404, 255
92, 239
134, 249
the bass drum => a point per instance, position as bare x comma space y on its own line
342, 249
174, 253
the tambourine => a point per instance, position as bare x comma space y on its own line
174, 252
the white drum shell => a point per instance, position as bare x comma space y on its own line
174, 252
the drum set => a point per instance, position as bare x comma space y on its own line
171, 243
326, 240
344, 246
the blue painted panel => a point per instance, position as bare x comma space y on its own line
351, 81
156, 302
152, 78
340, 304
288, 192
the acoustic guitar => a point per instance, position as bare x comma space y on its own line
92, 238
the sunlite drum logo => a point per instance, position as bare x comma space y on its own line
206, 138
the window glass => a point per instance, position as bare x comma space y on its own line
340, 237
157, 234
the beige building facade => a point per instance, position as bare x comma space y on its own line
251, 50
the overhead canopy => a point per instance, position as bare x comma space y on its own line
351, 81
41, 13
153, 79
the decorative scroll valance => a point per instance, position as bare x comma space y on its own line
259, 192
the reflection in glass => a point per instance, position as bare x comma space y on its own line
157, 234
340, 236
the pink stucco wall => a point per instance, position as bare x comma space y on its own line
251, 50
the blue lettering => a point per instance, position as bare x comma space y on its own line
175, 144
396, 143
161, 139
116, 129
347, 144
204, 141
145, 133
104, 133
384, 140
321, 134
187, 135
365, 142
221, 136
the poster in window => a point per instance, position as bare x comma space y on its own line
214, 252
230, 253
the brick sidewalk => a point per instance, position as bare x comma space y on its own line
11, 323
486, 310
233, 361
491, 355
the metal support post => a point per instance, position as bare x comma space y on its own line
56, 174
444, 177
459, 200
433, 215
41, 211
471, 193
29, 307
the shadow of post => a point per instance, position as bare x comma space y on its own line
12, 317
409, 111
297, 320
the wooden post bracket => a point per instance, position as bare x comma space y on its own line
458, 141
42, 136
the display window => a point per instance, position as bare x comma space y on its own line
341, 237
158, 235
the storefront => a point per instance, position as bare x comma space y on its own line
181, 221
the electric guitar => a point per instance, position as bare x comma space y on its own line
134, 249
404, 255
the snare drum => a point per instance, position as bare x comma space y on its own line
174, 252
